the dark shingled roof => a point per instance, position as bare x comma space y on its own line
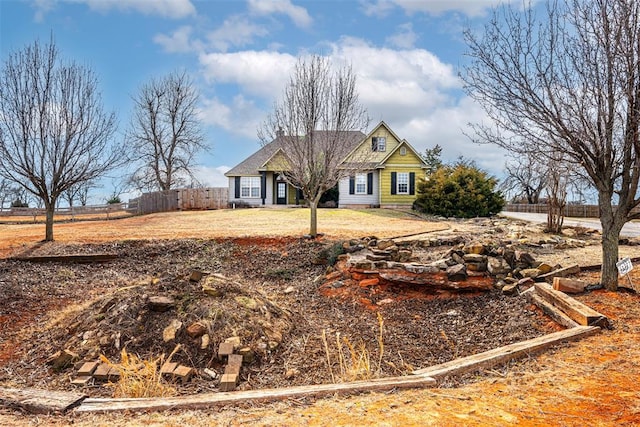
251, 165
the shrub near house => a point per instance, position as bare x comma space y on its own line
461, 191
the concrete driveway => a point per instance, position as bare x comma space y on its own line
630, 229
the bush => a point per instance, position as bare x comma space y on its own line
461, 191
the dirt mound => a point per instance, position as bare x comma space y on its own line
265, 299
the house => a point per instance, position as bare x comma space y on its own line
393, 166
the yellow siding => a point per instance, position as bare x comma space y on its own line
397, 163
364, 153
277, 163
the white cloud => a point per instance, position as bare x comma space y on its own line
471, 8
211, 176
412, 90
179, 41
297, 14
235, 31
404, 38
168, 8
240, 117
260, 73
175, 9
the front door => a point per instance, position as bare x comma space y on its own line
281, 193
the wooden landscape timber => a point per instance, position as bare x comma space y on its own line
577, 311
500, 355
207, 400
550, 310
40, 401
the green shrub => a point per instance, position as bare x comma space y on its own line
461, 191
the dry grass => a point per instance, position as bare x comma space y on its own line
334, 223
354, 360
140, 377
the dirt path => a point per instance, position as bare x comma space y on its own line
593, 382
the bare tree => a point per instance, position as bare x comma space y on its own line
526, 177
165, 133
316, 120
570, 83
54, 133
79, 193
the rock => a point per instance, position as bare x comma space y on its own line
544, 268
235, 341
169, 333
530, 272
525, 258
511, 289
362, 265
498, 266
420, 268
441, 264
161, 303
457, 273
248, 355
385, 244
196, 329
204, 342
247, 302
291, 373
61, 359
289, 289
210, 374
474, 258
474, 248
195, 276
404, 255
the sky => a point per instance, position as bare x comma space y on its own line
406, 54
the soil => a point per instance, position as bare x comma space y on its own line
101, 308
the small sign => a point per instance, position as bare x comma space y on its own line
624, 266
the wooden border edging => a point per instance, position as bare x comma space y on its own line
40, 401
502, 354
579, 312
208, 400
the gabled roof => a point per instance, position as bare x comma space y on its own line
252, 164
404, 143
256, 162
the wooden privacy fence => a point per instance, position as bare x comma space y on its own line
180, 199
575, 211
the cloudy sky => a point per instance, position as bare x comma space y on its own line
406, 54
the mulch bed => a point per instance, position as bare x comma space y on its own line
88, 308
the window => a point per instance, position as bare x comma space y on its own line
378, 143
403, 151
250, 187
403, 183
361, 183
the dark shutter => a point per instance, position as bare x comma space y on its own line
393, 182
412, 183
352, 185
263, 186
237, 189
370, 183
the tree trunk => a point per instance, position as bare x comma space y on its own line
612, 222
609, 271
50, 208
313, 226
